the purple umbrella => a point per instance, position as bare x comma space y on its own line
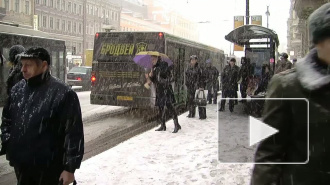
143, 59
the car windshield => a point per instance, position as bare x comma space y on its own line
78, 70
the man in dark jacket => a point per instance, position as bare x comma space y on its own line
212, 82
283, 64
15, 74
245, 73
161, 77
195, 80
42, 131
229, 79
310, 79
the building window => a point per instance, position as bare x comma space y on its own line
112, 15
63, 25
79, 48
87, 28
103, 13
63, 5
74, 27
87, 9
27, 7
17, 6
44, 21
69, 26
57, 24
58, 4
37, 1
75, 8
51, 23
96, 11
91, 12
45, 2
51, 3
69, 7
7, 5
80, 9
80, 28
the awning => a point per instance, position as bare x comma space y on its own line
242, 35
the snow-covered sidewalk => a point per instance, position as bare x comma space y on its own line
188, 157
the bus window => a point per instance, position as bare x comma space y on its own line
54, 68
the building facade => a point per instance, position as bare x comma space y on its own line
298, 36
17, 12
76, 21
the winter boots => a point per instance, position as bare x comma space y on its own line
177, 127
162, 127
192, 112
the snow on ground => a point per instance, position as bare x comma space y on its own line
188, 157
90, 111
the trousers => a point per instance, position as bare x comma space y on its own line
165, 113
228, 94
33, 175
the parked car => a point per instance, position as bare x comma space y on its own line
80, 76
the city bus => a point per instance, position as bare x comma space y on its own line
118, 81
11, 34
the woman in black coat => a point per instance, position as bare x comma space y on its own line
161, 77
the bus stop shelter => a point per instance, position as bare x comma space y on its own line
261, 48
260, 43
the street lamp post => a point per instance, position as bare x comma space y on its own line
247, 12
267, 14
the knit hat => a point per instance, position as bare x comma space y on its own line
13, 53
319, 24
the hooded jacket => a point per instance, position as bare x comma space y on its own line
42, 124
309, 80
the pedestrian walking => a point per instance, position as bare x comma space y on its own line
212, 82
283, 64
195, 80
245, 72
310, 79
41, 130
15, 74
229, 79
161, 77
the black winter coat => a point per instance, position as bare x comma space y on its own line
162, 80
311, 80
229, 78
42, 124
195, 78
245, 72
212, 75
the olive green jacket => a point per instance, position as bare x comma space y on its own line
291, 118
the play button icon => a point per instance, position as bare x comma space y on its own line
259, 131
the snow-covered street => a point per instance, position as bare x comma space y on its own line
188, 157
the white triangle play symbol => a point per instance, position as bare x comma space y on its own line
259, 131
